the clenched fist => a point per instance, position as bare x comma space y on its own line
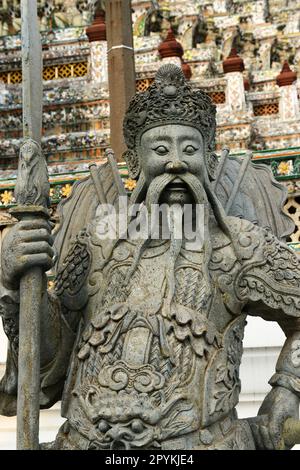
27, 244
279, 405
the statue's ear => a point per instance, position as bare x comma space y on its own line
133, 164
211, 161
211, 158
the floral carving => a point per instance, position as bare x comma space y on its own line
228, 384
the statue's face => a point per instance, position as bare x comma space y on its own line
29, 151
173, 149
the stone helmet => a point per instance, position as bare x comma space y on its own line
171, 99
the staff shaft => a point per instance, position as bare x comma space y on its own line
32, 82
32, 283
31, 289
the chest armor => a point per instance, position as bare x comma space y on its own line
148, 370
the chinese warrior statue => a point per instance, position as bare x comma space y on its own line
142, 338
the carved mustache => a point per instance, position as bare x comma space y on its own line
159, 184
156, 187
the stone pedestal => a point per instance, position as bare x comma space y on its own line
98, 57
235, 91
98, 62
289, 103
233, 67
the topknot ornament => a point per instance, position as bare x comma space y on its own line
171, 99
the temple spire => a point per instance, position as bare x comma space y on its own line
171, 51
287, 76
97, 30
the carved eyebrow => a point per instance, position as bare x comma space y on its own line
192, 138
163, 138
169, 139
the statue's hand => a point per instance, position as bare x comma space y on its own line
279, 405
27, 244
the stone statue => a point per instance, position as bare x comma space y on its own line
32, 169
142, 337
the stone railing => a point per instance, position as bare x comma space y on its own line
284, 163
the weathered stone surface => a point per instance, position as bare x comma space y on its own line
144, 336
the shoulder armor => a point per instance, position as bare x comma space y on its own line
270, 274
248, 239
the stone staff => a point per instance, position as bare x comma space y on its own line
32, 196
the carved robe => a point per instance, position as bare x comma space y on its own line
137, 372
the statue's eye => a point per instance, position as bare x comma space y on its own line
190, 149
161, 150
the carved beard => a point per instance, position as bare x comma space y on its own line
152, 195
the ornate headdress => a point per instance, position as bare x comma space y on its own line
171, 99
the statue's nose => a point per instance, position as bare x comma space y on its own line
176, 167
